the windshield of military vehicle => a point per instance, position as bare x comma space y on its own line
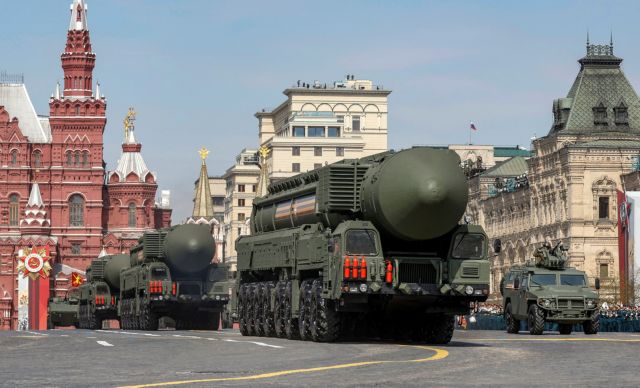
572, 280
468, 246
158, 273
102, 289
543, 280
361, 242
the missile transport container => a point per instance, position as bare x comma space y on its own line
171, 275
99, 295
373, 244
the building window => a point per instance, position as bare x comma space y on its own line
317, 151
295, 167
85, 158
333, 132
317, 165
298, 132
69, 159
76, 210
14, 209
254, 188
14, 158
600, 115
241, 188
241, 202
76, 248
339, 151
239, 231
316, 132
603, 208
604, 271
77, 107
37, 159
76, 159
295, 151
340, 118
240, 216
355, 123
132, 215
621, 114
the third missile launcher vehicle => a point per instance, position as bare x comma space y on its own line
99, 295
545, 290
171, 275
374, 241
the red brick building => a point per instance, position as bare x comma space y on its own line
54, 186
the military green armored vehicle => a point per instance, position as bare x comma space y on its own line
171, 275
64, 311
99, 295
544, 290
373, 244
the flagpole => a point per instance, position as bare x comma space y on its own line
469, 134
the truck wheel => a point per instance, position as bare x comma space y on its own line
94, 322
258, 309
242, 310
291, 324
439, 329
536, 320
565, 328
325, 321
513, 325
592, 325
213, 321
304, 320
278, 310
49, 323
148, 319
249, 309
267, 311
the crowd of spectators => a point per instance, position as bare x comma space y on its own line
619, 311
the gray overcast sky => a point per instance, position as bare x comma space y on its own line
196, 71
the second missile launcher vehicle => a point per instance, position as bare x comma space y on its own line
171, 275
373, 242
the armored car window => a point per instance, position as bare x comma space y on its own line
543, 280
468, 246
572, 280
361, 242
158, 273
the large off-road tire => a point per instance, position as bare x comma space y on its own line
325, 321
439, 329
592, 325
50, 324
94, 322
81, 317
148, 318
291, 324
278, 311
249, 309
565, 328
304, 317
213, 321
268, 314
242, 310
535, 320
258, 309
513, 325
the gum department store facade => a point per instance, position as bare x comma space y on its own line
54, 189
569, 189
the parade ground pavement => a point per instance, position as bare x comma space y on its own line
115, 358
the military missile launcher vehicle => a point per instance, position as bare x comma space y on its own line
374, 242
545, 290
64, 311
99, 295
171, 275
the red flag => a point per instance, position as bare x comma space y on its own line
473, 127
76, 279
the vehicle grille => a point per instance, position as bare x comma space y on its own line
470, 272
417, 273
570, 303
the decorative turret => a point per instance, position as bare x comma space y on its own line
131, 166
78, 60
263, 179
35, 215
202, 206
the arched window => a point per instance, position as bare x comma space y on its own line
69, 159
85, 158
37, 159
77, 159
132, 215
14, 209
14, 158
76, 210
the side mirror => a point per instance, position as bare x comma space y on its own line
597, 283
497, 245
516, 283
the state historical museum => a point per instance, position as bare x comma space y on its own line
55, 191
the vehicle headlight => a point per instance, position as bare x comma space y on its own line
363, 287
591, 303
468, 290
547, 303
